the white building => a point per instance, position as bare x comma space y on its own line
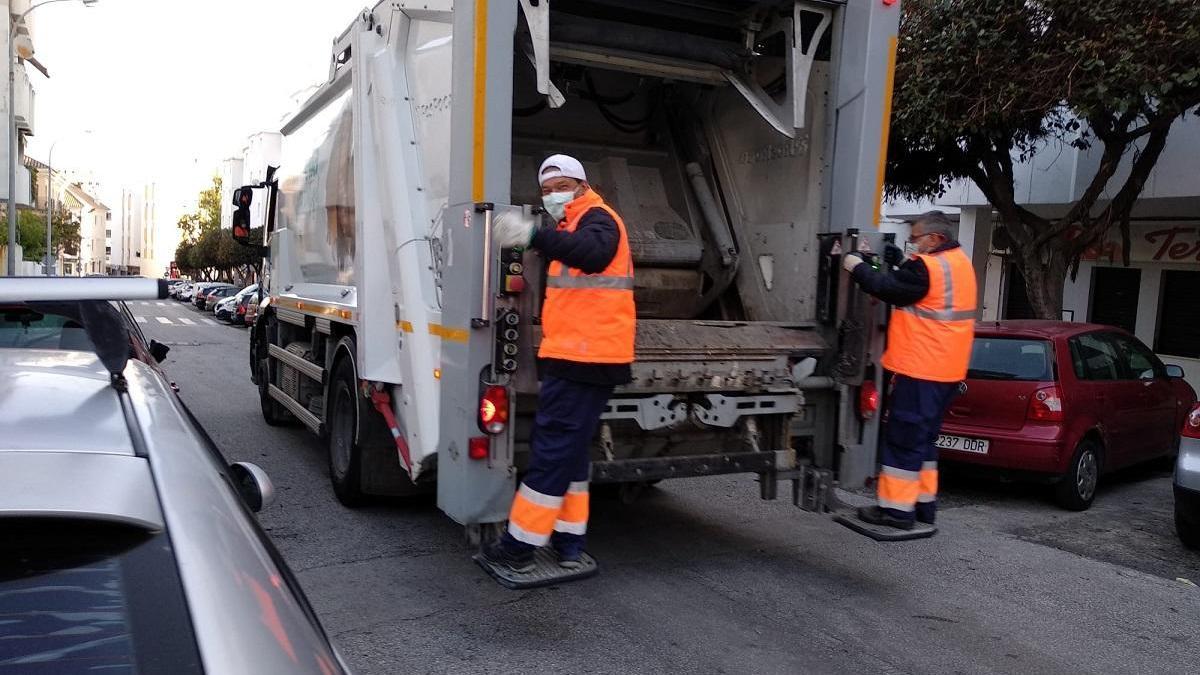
1157, 297
95, 219
262, 150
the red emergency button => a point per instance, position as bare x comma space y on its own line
514, 284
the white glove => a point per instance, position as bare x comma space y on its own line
512, 228
851, 260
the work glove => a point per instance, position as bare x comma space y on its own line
893, 255
851, 260
512, 228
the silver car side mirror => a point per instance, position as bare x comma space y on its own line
253, 485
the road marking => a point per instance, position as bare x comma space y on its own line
163, 319
209, 322
188, 321
140, 319
144, 304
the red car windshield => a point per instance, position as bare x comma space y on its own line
1020, 359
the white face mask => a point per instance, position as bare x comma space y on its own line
911, 249
555, 203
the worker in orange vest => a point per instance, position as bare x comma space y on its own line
929, 345
588, 326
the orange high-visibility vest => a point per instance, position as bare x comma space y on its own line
590, 318
932, 339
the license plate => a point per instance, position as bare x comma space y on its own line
964, 444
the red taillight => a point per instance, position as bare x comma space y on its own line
868, 400
478, 447
1046, 405
493, 410
1191, 425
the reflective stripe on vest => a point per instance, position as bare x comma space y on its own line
932, 339
590, 318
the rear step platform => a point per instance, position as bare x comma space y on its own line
544, 573
883, 532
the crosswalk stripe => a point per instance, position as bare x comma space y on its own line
188, 321
140, 319
209, 322
161, 304
162, 319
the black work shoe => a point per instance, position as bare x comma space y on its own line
927, 521
570, 560
497, 554
877, 516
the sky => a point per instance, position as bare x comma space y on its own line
169, 88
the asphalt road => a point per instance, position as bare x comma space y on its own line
702, 576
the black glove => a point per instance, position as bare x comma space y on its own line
893, 255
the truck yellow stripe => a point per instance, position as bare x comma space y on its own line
887, 124
480, 99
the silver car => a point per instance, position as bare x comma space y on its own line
1187, 481
127, 543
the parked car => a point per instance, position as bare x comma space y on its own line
132, 546
209, 294
251, 312
1064, 401
1187, 481
225, 309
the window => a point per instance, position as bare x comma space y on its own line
108, 233
91, 597
1094, 358
1016, 304
107, 250
1114, 300
1139, 362
1179, 314
995, 358
27, 327
108, 215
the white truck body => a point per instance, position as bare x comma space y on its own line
741, 143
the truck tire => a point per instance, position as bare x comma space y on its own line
344, 410
273, 411
1077, 489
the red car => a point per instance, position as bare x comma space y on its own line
1063, 400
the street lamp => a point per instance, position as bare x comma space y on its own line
50, 204
12, 130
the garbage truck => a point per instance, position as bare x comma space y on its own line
742, 142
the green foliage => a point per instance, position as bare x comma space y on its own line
979, 83
31, 233
206, 218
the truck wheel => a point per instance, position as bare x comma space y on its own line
344, 411
1076, 490
272, 411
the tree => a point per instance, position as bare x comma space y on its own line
31, 233
981, 85
207, 216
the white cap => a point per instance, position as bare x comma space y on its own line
561, 166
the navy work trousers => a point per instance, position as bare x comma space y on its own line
908, 476
552, 502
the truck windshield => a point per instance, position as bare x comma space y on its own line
994, 358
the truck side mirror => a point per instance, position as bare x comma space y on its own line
242, 198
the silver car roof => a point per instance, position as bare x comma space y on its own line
59, 400
245, 618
